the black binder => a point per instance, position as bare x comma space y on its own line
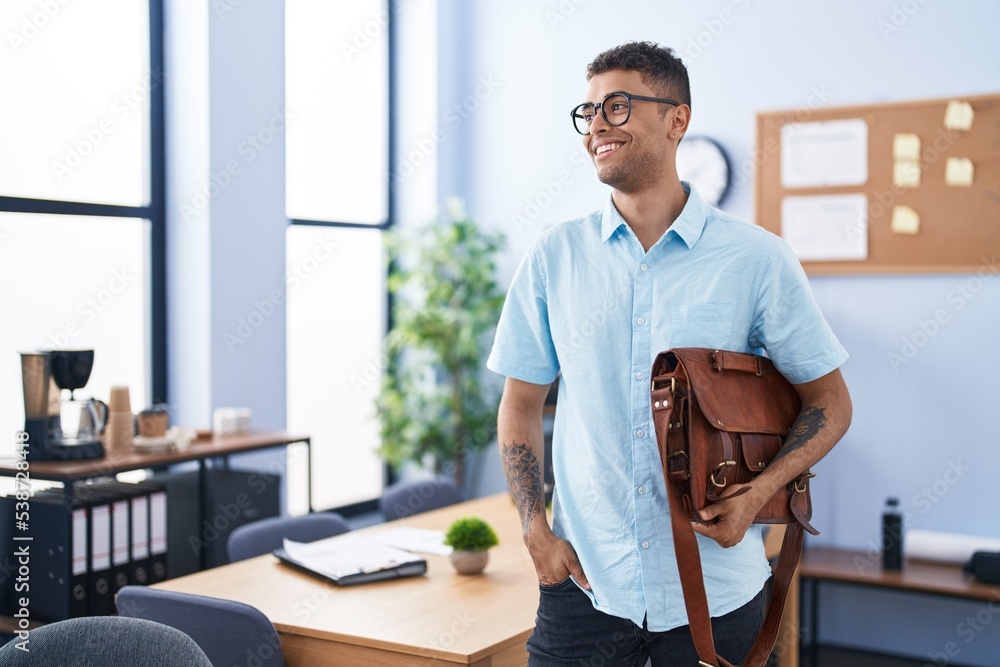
100, 531
121, 542
157, 522
58, 568
138, 569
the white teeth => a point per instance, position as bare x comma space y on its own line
605, 148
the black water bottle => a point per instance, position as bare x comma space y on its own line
892, 536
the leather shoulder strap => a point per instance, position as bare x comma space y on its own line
696, 600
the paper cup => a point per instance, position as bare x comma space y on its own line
118, 400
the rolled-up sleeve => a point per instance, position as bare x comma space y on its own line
523, 347
788, 323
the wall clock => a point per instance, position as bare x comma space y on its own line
703, 163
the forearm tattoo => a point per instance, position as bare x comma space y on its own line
810, 422
520, 465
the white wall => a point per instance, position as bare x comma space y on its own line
226, 209
225, 93
518, 169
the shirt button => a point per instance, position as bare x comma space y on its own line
643, 267
638, 376
640, 321
642, 490
645, 545
619, 235
640, 433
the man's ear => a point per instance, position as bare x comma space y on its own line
679, 122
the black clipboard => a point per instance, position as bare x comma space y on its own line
413, 568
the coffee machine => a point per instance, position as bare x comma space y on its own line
57, 429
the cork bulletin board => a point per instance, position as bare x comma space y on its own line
930, 227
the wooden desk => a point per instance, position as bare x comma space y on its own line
442, 618
116, 461
857, 568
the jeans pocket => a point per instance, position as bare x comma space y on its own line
556, 587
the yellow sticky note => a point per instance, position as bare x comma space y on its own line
905, 220
906, 146
958, 171
958, 115
906, 174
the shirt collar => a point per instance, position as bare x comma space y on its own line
688, 226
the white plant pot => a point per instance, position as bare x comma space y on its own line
469, 562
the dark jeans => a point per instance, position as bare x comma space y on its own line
569, 631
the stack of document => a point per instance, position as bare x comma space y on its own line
351, 559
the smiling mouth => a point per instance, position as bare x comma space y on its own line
606, 149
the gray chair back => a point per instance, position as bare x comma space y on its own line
230, 633
407, 498
105, 641
266, 535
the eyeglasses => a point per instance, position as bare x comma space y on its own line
616, 109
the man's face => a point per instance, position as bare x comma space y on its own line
633, 156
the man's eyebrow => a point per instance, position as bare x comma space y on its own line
613, 92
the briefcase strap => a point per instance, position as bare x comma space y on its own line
696, 600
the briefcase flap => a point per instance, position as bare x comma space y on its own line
738, 401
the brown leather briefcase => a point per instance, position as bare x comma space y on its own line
721, 417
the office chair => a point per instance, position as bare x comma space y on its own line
266, 535
407, 498
230, 633
109, 641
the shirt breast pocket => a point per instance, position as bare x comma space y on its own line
702, 325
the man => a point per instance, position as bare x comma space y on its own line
594, 300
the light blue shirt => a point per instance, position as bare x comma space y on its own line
589, 304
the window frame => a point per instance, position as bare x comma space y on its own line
366, 506
154, 211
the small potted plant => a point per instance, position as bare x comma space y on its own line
470, 539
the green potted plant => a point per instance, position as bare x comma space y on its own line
434, 406
470, 538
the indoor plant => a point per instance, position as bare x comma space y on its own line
470, 538
433, 405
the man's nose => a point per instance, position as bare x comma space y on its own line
599, 124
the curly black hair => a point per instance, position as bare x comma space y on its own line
659, 67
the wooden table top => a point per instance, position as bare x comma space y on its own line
115, 461
859, 567
442, 615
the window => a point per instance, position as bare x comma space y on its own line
81, 206
337, 198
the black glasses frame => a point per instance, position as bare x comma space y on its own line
575, 113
